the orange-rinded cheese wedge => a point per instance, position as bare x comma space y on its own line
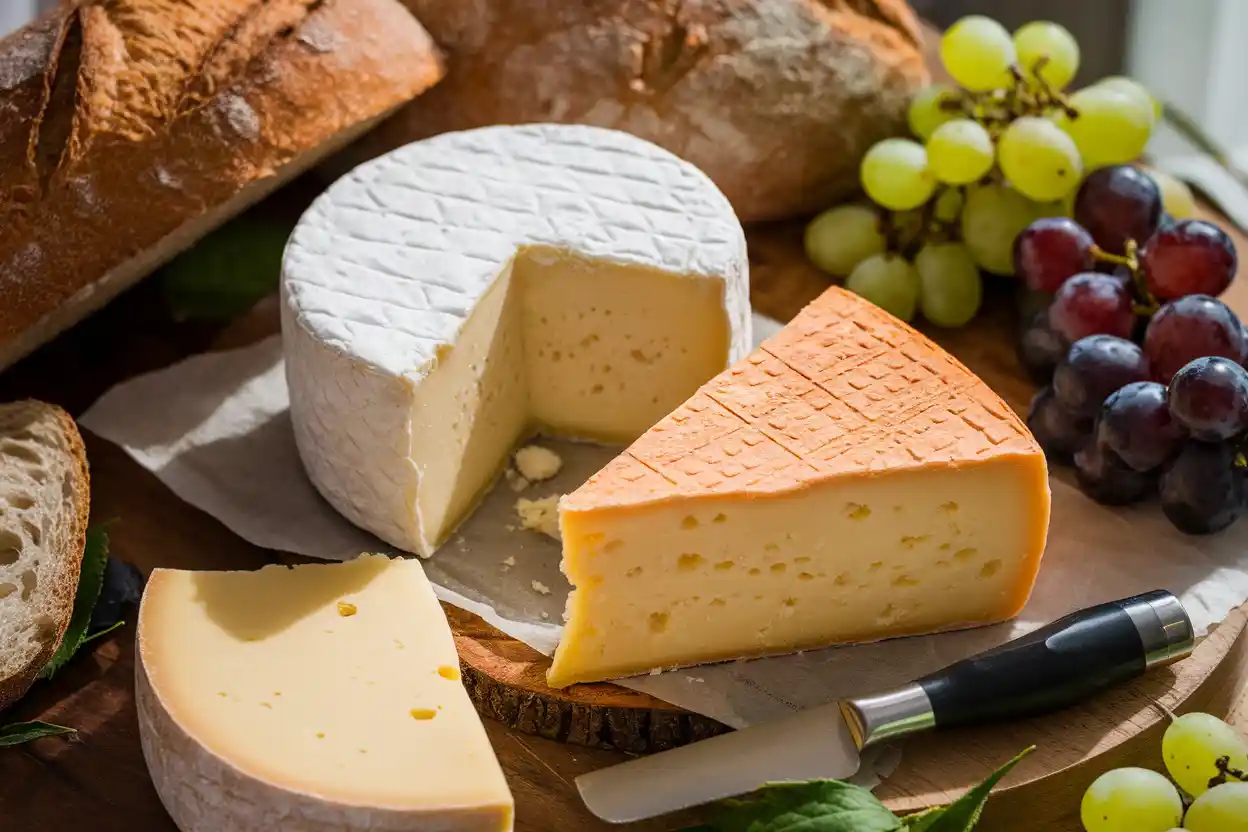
848, 481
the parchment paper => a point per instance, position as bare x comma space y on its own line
215, 429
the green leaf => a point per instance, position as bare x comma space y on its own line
228, 271
962, 814
814, 806
20, 732
922, 821
90, 582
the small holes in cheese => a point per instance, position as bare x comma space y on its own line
612, 545
857, 511
905, 580
10, 547
717, 602
754, 570
772, 547
990, 568
689, 561
633, 573
842, 579
805, 576
778, 568
876, 566
910, 541
966, 554
690, 522
720, 518
658, 621
790, 602
724, 565
948, 508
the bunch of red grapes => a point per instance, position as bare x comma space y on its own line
1147, 388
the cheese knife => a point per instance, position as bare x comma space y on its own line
1048, 669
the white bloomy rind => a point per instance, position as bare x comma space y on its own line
383, 271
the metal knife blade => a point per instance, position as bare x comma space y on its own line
809, 745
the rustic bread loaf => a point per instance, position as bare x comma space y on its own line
45, 494
130, 128
776, 100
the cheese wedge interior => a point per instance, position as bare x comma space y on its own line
331, 691
561, 346
848, 481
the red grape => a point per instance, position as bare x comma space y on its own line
1094, 368
1049, 251
1189, 328
1191, 257
1201, 490
1040, 348
1059, 432
1092, 304
1116, 204
1136, 424
1105, 478
1209, 397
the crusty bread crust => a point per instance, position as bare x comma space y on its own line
775, 100
126, 122
58, 599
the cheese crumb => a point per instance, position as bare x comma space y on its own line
540, 515
509, 562
345, 609
540, 588
423, 713
545, 616
517, 482
536, 463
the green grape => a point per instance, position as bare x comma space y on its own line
1193, 742
977, 52
842, 237
991, 218
1042, 39
888, 281
925, 113
960, 152
1041, 162
1131, 800
1176, 197
1111, 127
950, 288
895, 174
1221, 809
948, 205
1134, 89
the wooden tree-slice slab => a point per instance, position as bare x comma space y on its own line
507, 682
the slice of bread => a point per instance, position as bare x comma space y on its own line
44, 503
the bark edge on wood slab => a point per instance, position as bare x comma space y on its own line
506, 681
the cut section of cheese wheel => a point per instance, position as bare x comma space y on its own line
312, 699
848, 481
444, 302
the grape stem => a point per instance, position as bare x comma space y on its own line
1225, 772
1147, 304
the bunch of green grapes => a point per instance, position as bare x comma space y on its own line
1207, 760
1005, 147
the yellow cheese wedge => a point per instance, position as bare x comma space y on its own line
848, 481
318, 698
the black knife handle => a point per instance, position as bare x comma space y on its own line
1048, 669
